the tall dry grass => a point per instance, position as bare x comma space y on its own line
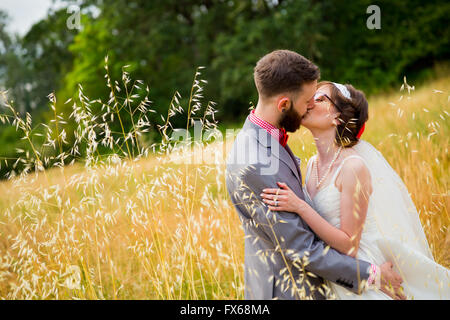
155, 227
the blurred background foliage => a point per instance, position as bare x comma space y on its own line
164, 41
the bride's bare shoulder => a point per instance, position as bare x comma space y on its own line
355, 165
353, 169
347, 160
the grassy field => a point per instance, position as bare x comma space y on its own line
158, 229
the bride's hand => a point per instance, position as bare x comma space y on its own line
286, 199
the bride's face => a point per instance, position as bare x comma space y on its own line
323, 115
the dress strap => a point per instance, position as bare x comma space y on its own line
309, 166
342, 164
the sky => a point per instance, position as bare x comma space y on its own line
24, 13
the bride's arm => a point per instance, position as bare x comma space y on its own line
356, 189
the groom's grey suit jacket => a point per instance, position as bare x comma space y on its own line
284, 259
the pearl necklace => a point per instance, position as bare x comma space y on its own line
318, 183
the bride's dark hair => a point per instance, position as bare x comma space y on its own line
354, 113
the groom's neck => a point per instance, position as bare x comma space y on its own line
268, 113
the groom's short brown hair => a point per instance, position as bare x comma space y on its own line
283, 71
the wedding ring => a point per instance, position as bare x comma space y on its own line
275, 203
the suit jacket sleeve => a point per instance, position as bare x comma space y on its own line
295, 240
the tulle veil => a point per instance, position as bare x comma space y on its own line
395, 213
401, 237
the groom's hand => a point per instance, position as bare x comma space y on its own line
391, 282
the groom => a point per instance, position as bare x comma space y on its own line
284, 259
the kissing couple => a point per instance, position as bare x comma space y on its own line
351, 231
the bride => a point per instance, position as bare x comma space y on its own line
356, 202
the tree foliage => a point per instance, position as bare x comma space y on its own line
164, 41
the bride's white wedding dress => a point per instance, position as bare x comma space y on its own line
392, 231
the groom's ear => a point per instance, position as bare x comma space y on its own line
284, 104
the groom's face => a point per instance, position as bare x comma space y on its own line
291, 119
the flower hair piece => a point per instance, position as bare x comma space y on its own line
343, 89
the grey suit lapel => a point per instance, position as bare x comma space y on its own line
297, 165
278, 151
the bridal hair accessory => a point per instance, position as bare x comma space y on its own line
361, 131
343, 89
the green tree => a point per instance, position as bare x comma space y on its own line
162, 42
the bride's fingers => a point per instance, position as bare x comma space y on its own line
272, 203
283, 185
400, 296
269, 202
273, 196
274, 191
390, 292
